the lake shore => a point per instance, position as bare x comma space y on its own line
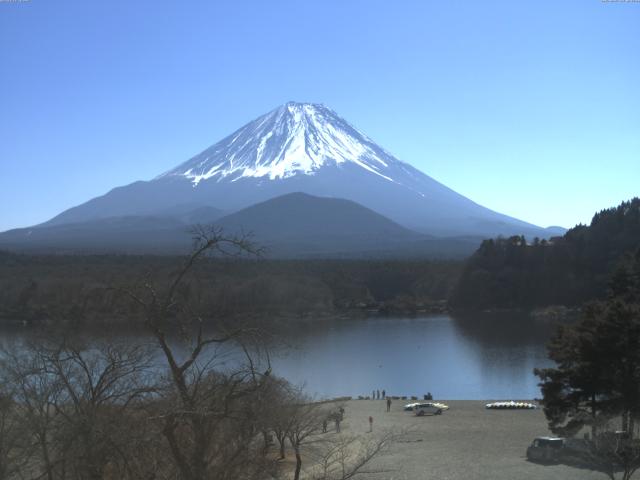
465, 442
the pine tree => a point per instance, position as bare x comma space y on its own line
597, 373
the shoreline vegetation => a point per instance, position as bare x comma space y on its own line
548, 281
77, 289
515, 272
549, 317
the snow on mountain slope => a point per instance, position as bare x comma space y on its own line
296, 138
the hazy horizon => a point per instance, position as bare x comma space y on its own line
529, 110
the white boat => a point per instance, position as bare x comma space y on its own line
511, 405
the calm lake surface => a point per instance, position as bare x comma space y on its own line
480, 357
471, 358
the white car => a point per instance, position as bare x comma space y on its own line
409, 407
428, 408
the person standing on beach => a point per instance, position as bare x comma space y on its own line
370, 424
378, 394
388, 404
324, 426
373, 394
337, 424
384, 394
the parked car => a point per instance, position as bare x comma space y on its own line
429, 408
409, 407
546, 449
570, 451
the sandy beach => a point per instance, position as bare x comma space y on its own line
465, 442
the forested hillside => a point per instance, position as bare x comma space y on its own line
567, 270
81, 288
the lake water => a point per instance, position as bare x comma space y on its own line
472, 358
481, 357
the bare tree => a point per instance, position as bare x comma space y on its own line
271, 412
98, 385
206, 412
338, 456
15, 448
280, 399
74, 404
305, 420
36, 392
346, 456
614, 453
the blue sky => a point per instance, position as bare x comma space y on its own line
531, 108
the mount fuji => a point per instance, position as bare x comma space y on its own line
298, 147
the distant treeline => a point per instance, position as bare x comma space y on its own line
568, 270
86, 288
504, 273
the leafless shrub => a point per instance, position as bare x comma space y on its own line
348, 456
75, 402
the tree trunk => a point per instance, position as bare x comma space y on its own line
47, 459
296, 475
625, 422
593, 417
627, 474
169, 434
199, 453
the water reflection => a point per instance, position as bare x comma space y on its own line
453, 359
477, 357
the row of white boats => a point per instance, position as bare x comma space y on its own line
436, 408
511, 405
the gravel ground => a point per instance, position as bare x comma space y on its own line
465, 442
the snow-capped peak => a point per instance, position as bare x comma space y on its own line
293, 139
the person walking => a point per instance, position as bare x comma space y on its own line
324, 426
389, 404
370, 424
337, 424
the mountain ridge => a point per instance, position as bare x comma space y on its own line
303, 147
295, 225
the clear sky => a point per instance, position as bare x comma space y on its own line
531, 108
